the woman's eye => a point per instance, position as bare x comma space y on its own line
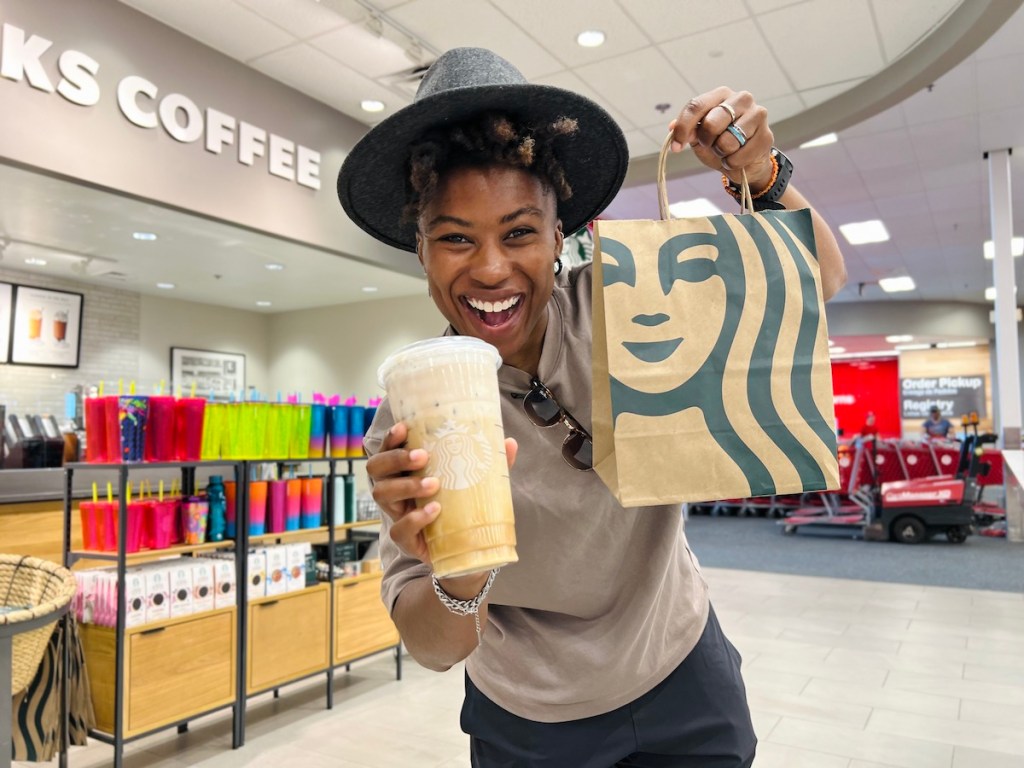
453, 238
520, 232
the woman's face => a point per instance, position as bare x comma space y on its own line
488, 241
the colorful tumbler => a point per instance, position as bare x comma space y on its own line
293, 505
112, 429
356, 415
257, 508
339, 431
89, 514
95, 431
317, 430
312, 501
132, 414
230, 509
160, 444
299, 446
213, 431
189, 413
163, 522
194, 512
138, 514
277, 505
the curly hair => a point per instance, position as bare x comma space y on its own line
489, 139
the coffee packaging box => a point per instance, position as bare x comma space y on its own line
257, 574
224, 594
181, 589
297, 566
134, 598
202, 585
277, 570
158, 594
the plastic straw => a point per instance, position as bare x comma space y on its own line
95, 494
110, 493
101, 388
120, 387
128, 500
160, 391
193, 394
161, 490
131, 387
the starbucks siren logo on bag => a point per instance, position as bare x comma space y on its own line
461, 458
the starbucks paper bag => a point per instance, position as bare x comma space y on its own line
711, 368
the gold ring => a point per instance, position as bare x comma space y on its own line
730, 110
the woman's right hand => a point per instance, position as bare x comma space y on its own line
396, 489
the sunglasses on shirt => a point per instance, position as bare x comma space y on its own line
544, 411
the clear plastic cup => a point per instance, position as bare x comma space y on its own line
446, 392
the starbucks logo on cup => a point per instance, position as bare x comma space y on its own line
462, 458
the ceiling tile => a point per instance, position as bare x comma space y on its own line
635, 82
826, 162
782, 107
902, 25
757, 7
363, 51
896, 181
220, 24
707, 63
668, 19
946, 143
823, 42
993, 95
302, 19
570, 81
565, 19
888, 120
335, 84
904, 204
846, 213
814, 96
952, 95
448, 24
641, 144
884, 150
1006, 39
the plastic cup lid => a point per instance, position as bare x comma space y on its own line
423, 352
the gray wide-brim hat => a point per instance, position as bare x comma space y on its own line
373, 184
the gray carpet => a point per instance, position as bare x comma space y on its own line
757, 544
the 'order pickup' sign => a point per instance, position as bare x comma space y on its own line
955, 395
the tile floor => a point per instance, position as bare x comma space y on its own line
840, 674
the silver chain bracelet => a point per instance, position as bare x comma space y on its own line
469, 607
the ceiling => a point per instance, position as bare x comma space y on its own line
917, 165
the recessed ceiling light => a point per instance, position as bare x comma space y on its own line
912, 347
262, 303
837, 350
990, 293
590, 38
860, 232
147, 236
372, 105
274, 267
700, 206
899, 338
821, 141
1016, 247
896, 284
369, 289
32, 260
861, 355
956, 344
165, 286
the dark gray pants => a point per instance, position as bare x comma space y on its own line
696, 718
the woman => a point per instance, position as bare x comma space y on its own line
599, 647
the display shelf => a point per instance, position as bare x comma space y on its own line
350, 580
147, 555
135, 465
284, 537
288, 638
357, 524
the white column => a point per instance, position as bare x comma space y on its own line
1007, 359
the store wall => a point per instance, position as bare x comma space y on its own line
166, 323
110, 347
336, 350
967, 362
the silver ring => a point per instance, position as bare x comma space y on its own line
730, 110
736, 131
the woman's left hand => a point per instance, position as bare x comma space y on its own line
703, 124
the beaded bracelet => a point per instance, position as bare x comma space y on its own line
735, 192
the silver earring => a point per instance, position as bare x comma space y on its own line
558, 265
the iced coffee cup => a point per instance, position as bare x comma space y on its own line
446, 392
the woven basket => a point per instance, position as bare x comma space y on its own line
47, 588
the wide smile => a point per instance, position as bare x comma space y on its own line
492, 314
652, 351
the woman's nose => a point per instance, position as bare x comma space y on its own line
491, 265
651, 320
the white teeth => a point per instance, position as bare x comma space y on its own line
497, 306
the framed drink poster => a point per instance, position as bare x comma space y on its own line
6, 294
47, 327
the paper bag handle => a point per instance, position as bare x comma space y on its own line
746, 201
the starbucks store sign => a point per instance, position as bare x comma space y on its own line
31, 59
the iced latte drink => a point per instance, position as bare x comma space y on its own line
446, 392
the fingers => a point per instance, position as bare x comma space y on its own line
511, 450
696, 109
407, 532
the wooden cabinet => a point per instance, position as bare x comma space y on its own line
287, 637
361, 623
173, 669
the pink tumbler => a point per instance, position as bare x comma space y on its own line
95, 431
163, 522
188, 428
277, 505
138, 513
112, 428
312, 493
106, 520
160, 429
90, 524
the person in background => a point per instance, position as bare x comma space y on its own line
869, 429
935, 425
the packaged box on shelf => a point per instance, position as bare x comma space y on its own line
158, 589
134, 598
257, 586
202, 585
224, 594
311, 570
277, 570
297, 565
344, 551
181, 589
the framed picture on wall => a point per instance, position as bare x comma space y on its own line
46, 328
6, 306
219, 373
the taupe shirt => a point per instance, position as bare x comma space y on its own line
604, 602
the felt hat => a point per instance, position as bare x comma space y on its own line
463, 82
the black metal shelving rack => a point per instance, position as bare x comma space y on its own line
240, 545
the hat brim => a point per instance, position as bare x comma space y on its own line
372, 183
